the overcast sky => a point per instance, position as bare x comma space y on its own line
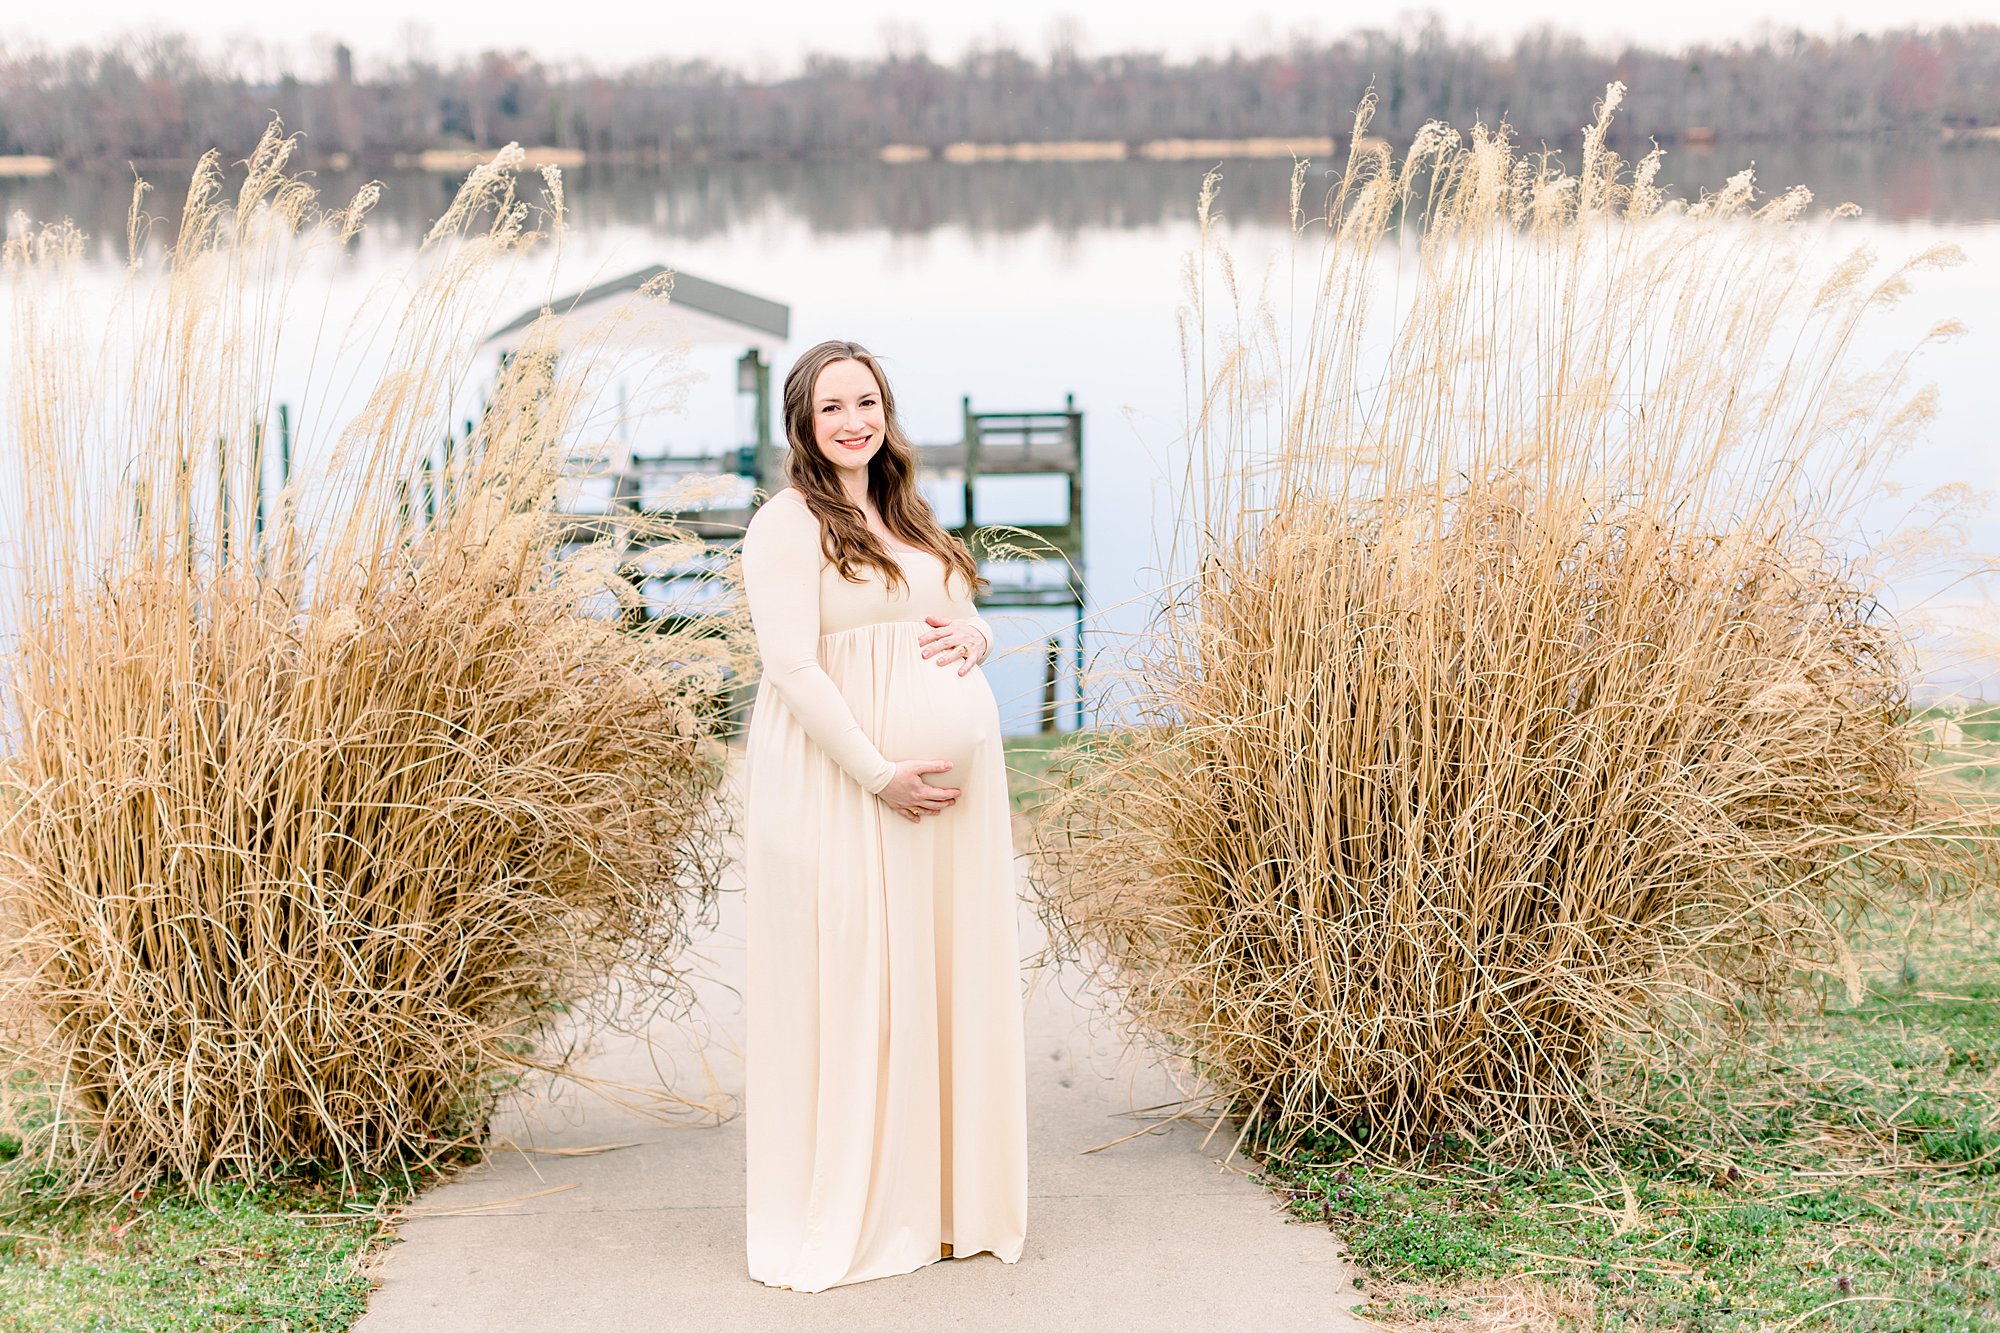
769, 36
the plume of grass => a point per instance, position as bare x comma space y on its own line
319, 829
1521, 685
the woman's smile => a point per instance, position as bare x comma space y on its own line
849, 420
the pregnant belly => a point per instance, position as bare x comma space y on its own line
947, 717
935, 713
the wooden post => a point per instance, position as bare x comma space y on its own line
257, 485
285, 511
766, 454
1079, 659
971, 467
1075, 540
221, 501
636, 616
184, 509
1051, 666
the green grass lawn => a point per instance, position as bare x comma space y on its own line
1027, 767
286, 1257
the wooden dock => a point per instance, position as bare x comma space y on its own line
993, 444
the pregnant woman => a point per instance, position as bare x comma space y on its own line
886, 1102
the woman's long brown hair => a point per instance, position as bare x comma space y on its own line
892, 481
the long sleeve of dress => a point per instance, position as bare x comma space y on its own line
781, 570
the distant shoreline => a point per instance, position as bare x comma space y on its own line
450, 161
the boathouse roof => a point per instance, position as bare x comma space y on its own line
698, 311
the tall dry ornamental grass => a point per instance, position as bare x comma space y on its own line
1524, 685
313, 825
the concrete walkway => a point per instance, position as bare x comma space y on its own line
1155, 1233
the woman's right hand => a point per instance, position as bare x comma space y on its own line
912, 797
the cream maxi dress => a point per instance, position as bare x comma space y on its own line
885, 1105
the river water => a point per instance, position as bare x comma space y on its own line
1019, 284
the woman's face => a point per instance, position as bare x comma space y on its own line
848, 425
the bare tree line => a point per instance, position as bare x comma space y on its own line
161, 99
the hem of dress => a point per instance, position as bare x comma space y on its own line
898, 1272
1013, 1258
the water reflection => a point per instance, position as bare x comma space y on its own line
1925, 180
1915, 181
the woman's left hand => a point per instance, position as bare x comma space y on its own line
949, 641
